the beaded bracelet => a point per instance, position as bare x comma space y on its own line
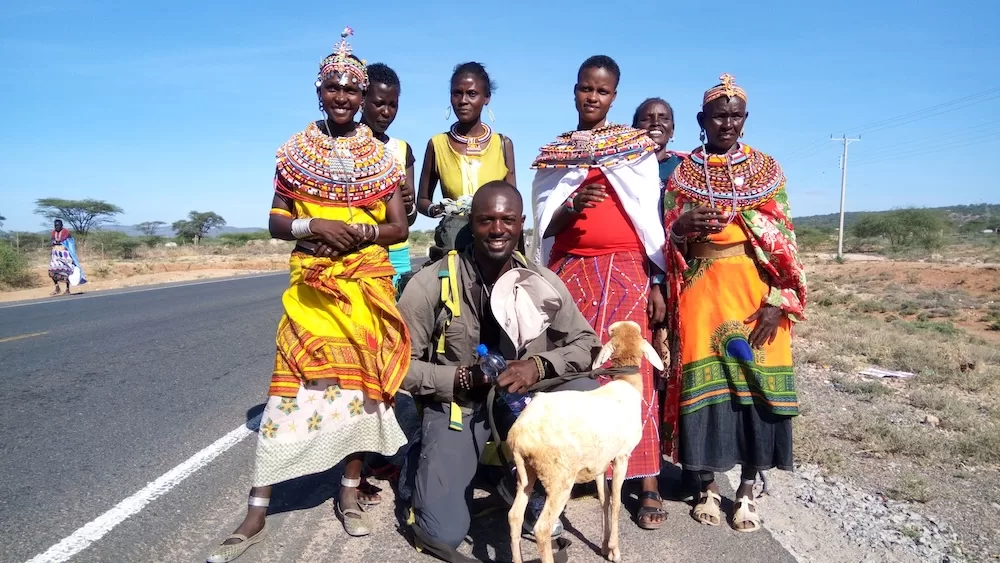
540, 366
464, 378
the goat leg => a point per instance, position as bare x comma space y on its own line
603, 498
620, 467
557, 495
525, 483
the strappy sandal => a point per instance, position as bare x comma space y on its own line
707, 511
644, 512
56, 291
356, 522
744, 515
370, 498
228, 552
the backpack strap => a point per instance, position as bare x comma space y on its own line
451, 300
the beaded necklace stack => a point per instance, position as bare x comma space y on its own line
474, 146
350, 171
605, 146
737, 181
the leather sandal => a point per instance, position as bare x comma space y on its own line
228, 552
646, 511
356, 522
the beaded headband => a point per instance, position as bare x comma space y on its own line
727, 87
341, 62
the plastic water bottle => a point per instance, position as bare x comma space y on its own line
493, 364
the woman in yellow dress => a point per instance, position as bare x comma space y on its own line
469, 155
736, 287
342, 346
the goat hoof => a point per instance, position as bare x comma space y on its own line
614, 555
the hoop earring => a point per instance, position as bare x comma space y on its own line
447, 113
321, 109
741, 133
701, 136
489, 112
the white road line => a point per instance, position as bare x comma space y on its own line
111, 293
98, 527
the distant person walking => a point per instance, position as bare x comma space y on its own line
343, 348
64, 266
736, 287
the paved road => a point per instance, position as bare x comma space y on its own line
104, 394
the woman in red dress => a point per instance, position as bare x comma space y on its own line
596, 196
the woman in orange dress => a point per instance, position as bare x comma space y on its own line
736, 287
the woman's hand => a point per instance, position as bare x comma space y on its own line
700, 220
588, 196
337, 235
662, 346
656, 306
768, 318
408, 196
435, 210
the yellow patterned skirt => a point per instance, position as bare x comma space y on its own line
342, 353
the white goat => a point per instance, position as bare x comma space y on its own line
569, 437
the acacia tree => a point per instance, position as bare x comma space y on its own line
2, 219
82, 215
903, 227
197, 225
149, 228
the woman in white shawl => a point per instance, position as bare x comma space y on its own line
597, 225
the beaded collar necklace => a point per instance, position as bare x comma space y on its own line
737, 181
474, 146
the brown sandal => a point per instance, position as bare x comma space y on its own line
642, 516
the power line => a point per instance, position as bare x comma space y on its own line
963, 102
962, 134
884, 123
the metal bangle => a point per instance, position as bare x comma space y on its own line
301, 228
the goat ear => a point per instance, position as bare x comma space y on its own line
652, 356
604, 355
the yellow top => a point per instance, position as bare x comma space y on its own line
463, 175
371, 214
398, 148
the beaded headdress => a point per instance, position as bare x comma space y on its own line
727, 87
343, 63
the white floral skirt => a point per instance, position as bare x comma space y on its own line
317, 429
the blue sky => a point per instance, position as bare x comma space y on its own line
164, 107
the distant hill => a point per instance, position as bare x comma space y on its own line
985, 215
166, 231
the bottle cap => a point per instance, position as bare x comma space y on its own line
482, 350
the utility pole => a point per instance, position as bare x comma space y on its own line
843, 191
